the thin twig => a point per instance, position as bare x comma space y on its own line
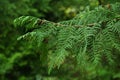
41, 22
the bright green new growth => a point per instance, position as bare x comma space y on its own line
92, 37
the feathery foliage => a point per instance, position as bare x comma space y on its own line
93, 37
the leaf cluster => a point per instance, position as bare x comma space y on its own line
92, 37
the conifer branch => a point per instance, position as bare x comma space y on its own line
97, 34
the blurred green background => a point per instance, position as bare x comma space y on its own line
22, 61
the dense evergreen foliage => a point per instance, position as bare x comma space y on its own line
91, 40
83, 48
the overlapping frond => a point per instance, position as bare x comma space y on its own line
92, 36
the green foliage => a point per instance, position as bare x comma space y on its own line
20, 60
91, 38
